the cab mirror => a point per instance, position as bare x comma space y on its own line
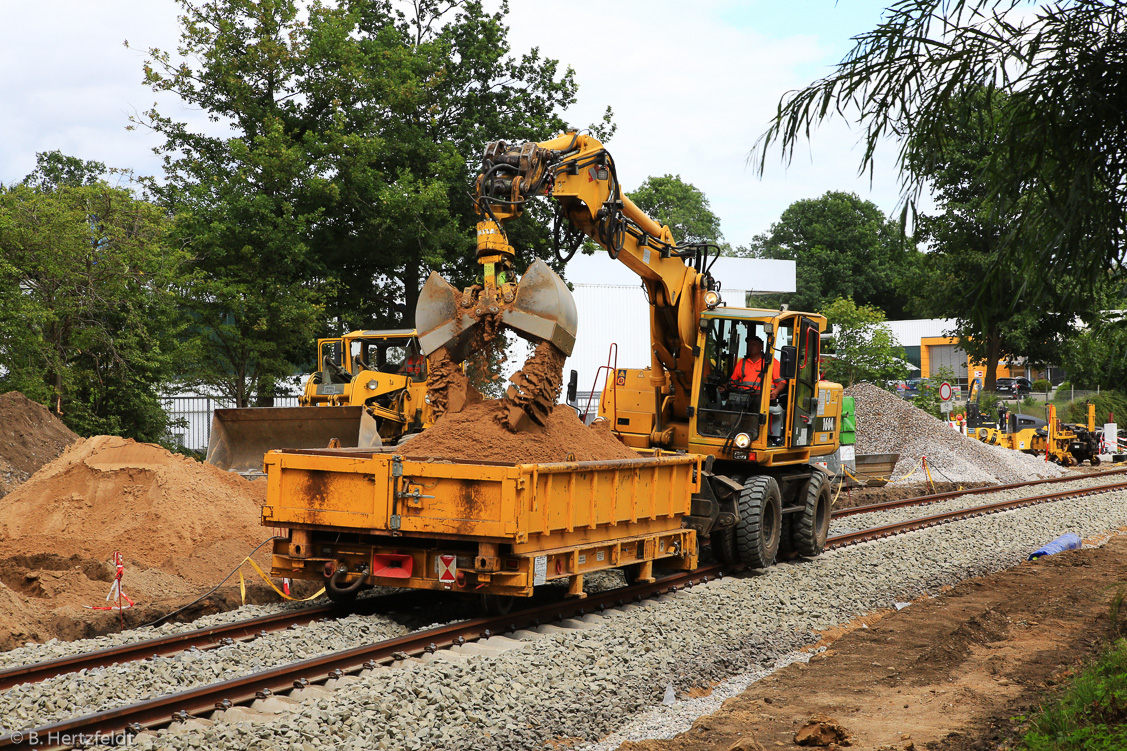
788, 361
572, 387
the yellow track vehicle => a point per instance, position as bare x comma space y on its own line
752, 487
1065, 444
375, 383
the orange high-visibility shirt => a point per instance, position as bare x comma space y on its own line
414, 366
749, 372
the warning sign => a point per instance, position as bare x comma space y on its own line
447, 568
620, 379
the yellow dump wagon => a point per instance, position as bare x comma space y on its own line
356, 517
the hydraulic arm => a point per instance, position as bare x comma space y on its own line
580, 175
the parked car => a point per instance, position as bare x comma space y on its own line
1013, 388
912, 387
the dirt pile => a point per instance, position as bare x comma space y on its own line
30, 436
180, 524
476, 433
887, 424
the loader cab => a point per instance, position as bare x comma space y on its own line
392, 352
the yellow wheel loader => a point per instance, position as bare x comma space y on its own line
369, 390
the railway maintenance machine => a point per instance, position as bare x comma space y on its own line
727, 444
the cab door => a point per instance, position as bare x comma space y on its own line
807, 342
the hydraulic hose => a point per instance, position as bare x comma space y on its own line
333, 584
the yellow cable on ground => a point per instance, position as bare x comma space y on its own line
265, 578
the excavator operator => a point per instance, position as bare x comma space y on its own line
747, 375
415, 364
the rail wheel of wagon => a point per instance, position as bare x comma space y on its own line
498, 604
761, 513
724, 545
1094, 460
812, 526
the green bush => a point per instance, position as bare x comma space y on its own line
1042, 385
1091, 715
1107, 403
1029, 401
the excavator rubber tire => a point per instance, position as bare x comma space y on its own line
812, 526
761, 514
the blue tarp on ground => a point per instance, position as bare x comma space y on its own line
1069, 541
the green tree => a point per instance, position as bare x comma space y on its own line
356, 127
842, 246
965, 240
1060, 162
863, 346
87, 300
1097, 356
672, 201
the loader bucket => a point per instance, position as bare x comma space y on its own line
542, 310
240, 437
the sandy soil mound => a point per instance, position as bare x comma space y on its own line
887, 424
476, 433
30, 436
181, 525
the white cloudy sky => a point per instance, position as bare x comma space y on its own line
692, 85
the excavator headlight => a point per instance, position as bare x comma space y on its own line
743, 440
711, 299
373, 385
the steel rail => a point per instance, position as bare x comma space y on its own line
169, 708
936, 497
923, 522
204, 638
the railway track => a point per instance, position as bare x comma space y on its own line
244, 690
937, 497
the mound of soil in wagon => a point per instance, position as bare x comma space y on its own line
476, 433
30, 436
181, 525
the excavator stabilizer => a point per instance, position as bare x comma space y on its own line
542, 309
240, 437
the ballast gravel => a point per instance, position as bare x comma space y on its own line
88, 691
887, 424
576, 686
870, 519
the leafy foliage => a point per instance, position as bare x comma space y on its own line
1060, 162
1097, 356
345, 171
843, 247
88, 312
966, 238
681, 205
863, 347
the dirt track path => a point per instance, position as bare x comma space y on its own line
948, 673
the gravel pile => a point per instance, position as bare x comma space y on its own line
887, 424
583, 684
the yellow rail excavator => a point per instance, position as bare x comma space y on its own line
739, 386
369, 390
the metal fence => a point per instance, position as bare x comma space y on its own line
191, 417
